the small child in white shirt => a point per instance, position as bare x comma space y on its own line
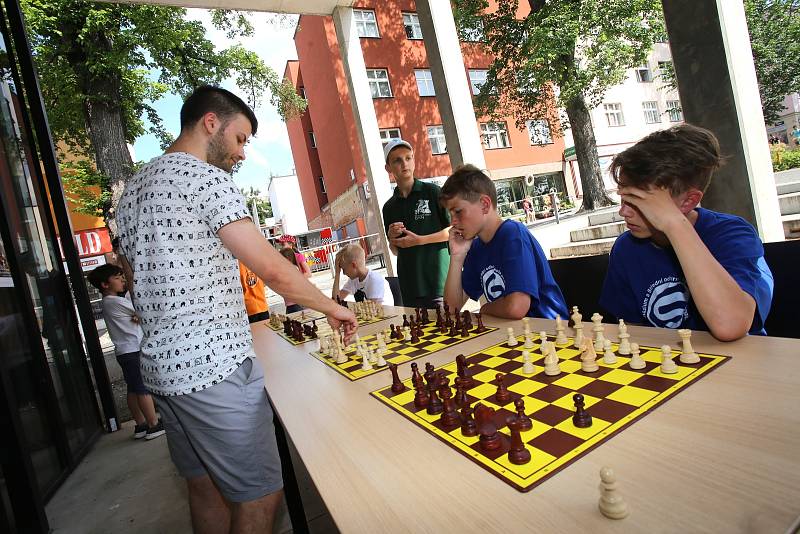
363, 284
126, 334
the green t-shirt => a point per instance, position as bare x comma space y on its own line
422, 269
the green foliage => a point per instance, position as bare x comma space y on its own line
263, 206
774, 27
783, 159
561, 50
87, 188
127, 56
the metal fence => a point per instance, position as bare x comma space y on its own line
323, 257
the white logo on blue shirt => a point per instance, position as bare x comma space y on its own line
666, 303
494, 285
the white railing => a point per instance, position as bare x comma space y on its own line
330, 250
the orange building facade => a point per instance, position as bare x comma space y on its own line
324, 141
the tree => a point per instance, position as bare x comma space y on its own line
102, 65
774, 27
563, 52
263, 206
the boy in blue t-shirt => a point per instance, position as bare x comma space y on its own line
498, 259
679, 265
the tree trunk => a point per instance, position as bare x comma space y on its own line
594, 192
106, 129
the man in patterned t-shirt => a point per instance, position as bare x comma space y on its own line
182, 224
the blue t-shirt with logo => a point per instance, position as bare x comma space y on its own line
645, 283
513, 261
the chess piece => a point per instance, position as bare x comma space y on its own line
597, 328
490, 439
379, 361
512, 340
517, 453
435, 404
561, 337
397, 385
365, 365
551, 364
636, 360
382, 344
468, 426
462, 370
524, 420
323, 346
421, 398
415, 376
581, 419
542, 342
688, 355
414, 336
528, 341
668, 366
480, 328
449, 418
624, 348
405, 321
589, 358
461, 392
502, 395
527, 364
576, 318
608, 355
407, 333
611, 502
579, 339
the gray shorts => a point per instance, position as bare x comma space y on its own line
226, 431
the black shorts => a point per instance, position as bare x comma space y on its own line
132, 373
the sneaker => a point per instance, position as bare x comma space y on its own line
154, 431
140, 431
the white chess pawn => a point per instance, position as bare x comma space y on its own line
528, 341
579, 339
323, 346
589, 358
624, 342
526, 324
623, 328
380, 362
365, 364
406, 333
688, 355
608, 355
611, 503
561, 337
668, 365
551, 364
381, 344
527, 364
512, 340
373, 358
636, 360
542, 340
341, 355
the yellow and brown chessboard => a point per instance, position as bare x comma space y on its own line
398, 351
615, 396
315, 317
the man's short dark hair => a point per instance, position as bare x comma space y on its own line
100, 275
211, 99
679, 158
468, 182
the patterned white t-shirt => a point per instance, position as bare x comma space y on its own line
186, 283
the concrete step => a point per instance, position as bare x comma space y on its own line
789, 187
790, 203
597, 232
605, 217
585, 248
791, 226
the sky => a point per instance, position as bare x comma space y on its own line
268, 152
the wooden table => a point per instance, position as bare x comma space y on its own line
722, 456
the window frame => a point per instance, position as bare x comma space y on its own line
417, 73
374, 21
322, 188
437, 137
472, 85
640, 77
377, 81
405, 26
388, 134
549, 137
616, 111
313, 138
676, 108
652, 115
494, 128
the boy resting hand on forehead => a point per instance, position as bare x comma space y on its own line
363, 283
498, 259
679, 265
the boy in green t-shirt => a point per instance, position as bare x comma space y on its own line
417, 228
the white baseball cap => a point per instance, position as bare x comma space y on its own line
394, 143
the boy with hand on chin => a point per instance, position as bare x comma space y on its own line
498, 259
679, 265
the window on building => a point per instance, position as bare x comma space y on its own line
313, 139
302, 91
614, 114
366, 24
539, 132
379, 83
411, 24
643, 74
651, 113
424, 82
477, 77
322, 185
436, 138
664, 66
495, 135
473, 34
674, 110
389, 133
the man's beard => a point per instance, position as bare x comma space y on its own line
217, 154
